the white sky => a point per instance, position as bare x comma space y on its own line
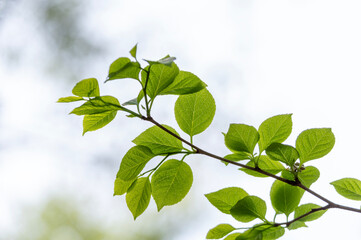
259, 58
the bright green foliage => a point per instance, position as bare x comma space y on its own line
96, 121
296, 225
284, 197
171, 183
98, 105
159, 78
87, 88
184, 83
262, 232
308, 176
241, 138
133, 51
138, 196
123, 68
349, 188
70, 99
158, 141
133, 162
249, 208
284, 153
226, 198
121, 186
232, 236
274, 129
195, 112
237, 157
266, 164
219, 231
314, 143
306, 208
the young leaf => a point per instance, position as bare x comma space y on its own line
138, 196
232, 236
159, 141
133, 162
97, 105
308, 176
195, 112
266, 164
160, 77
288, 174
184, 83
171, 183
262, 232
241, 138
306, 208
237, 157
284, 197
314, 143
123, 68
96, 121
133, 51
226, 198
274, 129
284, 153
87, 88
296, 225
249, 208
121, 186
349, 188
70, 99
219, 231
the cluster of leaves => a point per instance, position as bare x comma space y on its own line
171, 179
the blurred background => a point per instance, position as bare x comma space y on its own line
259, 58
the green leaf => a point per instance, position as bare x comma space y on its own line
284, 197
232, 236
314, 143
171, 183
266, 164
97, 105
87, 88
241, 138
96, 121
349, 188
235, 157
284, 153
274, 129
121, 186
306, 208
288, 174
195, 112
133, 51
226, 198
308, 176
262, 232
123, 68
131, 102
249, 208
184, 83
70, 99
219, 231
296, 225
160, 77
133, 162
138, 196
159, 141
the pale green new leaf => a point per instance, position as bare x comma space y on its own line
171, 183
232, 236
138, 196
314, 143
87, 88
160, 77
266, 164
235, 157
97, 105
121, 186
133, 162
349, 188
284, 153
274, 129
284, 197
96, 121
195, 112
133, 51
219, 231
184, 83
308, 176
262, 232
306, 208
224, 199
241, 138
296, 225
159, 141
249, 208
123, 68
69, 99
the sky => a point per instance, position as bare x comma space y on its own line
259, 58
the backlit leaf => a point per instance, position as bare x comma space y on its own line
349, 188
87, 88
266, 164
308, 176
97, 105
284, 197
284, 153
123, 68
96, 121
69, 99
219, 231
249, 208
241, 138
138, 196
306, 208
121, 186
184, 83
133, 51
226, 198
